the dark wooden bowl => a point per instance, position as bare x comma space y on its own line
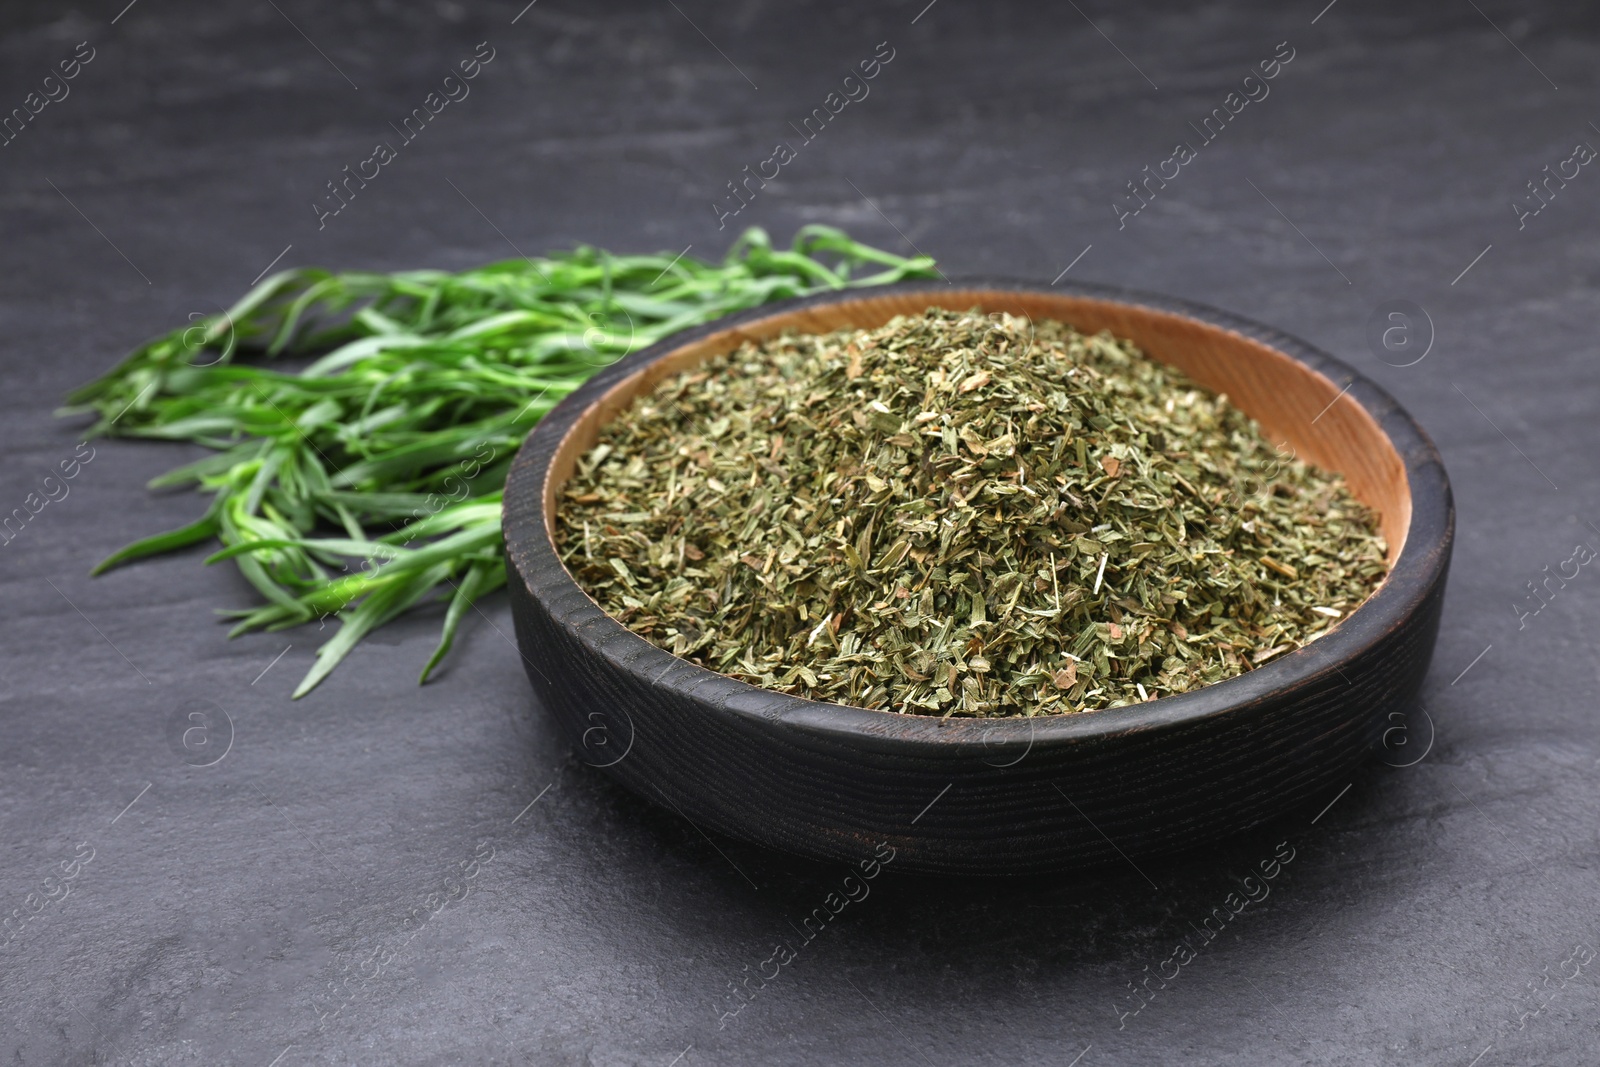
1013, 795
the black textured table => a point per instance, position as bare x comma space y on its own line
385, 873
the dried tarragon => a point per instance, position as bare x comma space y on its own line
960, 514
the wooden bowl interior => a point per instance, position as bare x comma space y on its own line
1292, 403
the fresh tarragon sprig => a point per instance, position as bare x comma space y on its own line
366, 478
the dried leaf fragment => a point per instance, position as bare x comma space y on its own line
1281, 568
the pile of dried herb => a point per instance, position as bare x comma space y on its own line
960, 514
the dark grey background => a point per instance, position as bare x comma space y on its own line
604, 931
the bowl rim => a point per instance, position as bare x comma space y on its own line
1410, 580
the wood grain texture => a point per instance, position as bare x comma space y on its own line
1007, 795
